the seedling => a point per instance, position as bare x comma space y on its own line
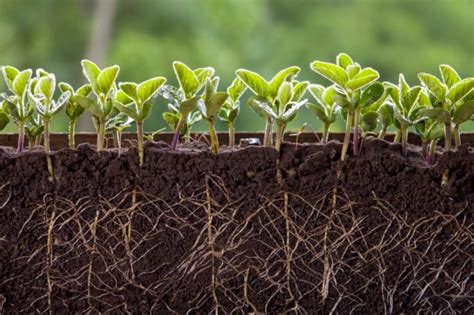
47, 108
325, 107
266, 92
231, 108
117, 124
386, 118
34, 130
173, 116
406, 108
453, 101
190, 84
16, 104
103, 84
73, 109
349, 79
4, 118
288, 101
136, 101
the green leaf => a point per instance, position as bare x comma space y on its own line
293, 108
261, 106
386, 114
439, 114
285, 93
233, 114
328, 96
299, 89
188, 81
463, 112
88, 104
450, 76
353, 70
9, 74
122, 97
344, 60
46, 86
284, 75
4, 120
65, 87
146, 110
63, 100
320, 111
126, 110
203, 73
130, 89
254, 82
214, 104
409, 99
332, 72
317, 91
106, 79
146, 90
171, 119
369, 121
460, 89
84, 90
91, 71
371, 94
434, 86
236, 89
187, 106
20, 84
402, 120
364, 77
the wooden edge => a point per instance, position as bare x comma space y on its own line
60, 140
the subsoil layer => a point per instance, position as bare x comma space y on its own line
250, 230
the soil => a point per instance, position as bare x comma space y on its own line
250, 230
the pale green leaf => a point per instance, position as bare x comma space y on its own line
106, 79
91, 71
344, 60
450, 76
439, 114
284, 75
299, 89
9, 74
363, 78
236, 89
146, 90
261, 106
254, 82
434, 86
460, 89
330, 71
129, 111
285, 93
463, 112
188, 81
292, 109
20, 84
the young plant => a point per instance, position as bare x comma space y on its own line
453, 102
16, 104
173, 116
349, 79
117, 124
47, 108
266, 92
4, 118
386, 118
136, 101
209, 106
103, 85
406, 108
73, 109
325, 107
288, 101
190, 83
34, 130
231, 108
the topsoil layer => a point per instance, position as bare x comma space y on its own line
247, 231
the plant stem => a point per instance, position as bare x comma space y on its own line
231, 135
457, 136
383, 132
432, 151
280, 131
37, 140
101, 135
213, 135
404, 133
267, 137
398, 136
72, 130
355, 141
424, 147
21, 136
140, 142
47, 149
177, 132
447, 148
325, 133
347, 136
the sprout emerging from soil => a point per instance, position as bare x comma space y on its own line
349, 79
325, 107
16, 104
266, 92
47, 108
117, 124
136, 101
288, 102
103, 85
190, 83
73, 109
230, 111
209, 106
406, 108
453, 101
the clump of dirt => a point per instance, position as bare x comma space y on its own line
191, 233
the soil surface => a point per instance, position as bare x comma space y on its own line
248, 231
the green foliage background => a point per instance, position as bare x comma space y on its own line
392, 36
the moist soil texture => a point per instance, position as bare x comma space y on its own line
248, 231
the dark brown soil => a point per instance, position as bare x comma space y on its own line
247, 231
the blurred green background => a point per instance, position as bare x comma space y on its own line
145, 36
